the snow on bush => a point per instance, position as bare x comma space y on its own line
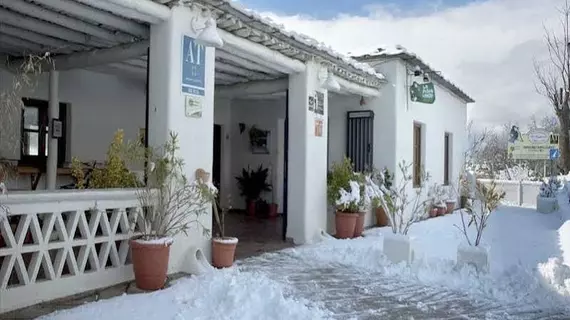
517, 173
549, 189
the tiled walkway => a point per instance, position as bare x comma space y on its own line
354, 294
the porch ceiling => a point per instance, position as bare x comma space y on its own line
64, 27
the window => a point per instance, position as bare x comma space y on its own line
35, 134
446, 157
417, 166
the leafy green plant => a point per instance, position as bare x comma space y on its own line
345, 188
170, 202
115, 172
486, 199
252, 183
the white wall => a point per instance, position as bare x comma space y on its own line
264, 114
98, 105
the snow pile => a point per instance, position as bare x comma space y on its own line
556, 274
226, 294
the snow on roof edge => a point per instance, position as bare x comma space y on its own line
398, 50
306, 40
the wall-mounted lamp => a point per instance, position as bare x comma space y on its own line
362, 101
207, 34
426, 77
331, 83
417, 71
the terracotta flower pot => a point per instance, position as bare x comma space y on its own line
450, 206
381, 217
273, 210
251, 208
441, 211
150, 262
223, 251
359, 226
345, 224
433, 212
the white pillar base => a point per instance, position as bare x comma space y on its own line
398, 248
477, 257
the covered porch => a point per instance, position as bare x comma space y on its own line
113, 65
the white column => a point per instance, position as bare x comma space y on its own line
53, 113
307, 174
168, 111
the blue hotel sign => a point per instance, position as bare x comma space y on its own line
193, 67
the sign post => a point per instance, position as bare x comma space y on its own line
537, 144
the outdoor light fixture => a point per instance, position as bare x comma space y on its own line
331, 83
426, 77
417, 71
208, 34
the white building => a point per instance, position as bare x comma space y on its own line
136, 67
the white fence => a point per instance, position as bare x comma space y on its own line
522, 193
60, 243
55, 244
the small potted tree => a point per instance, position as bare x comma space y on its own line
437, 206
345, 192
170, 204
381, 217
485, 200
546, 201
223, 248
402, 210
252, 183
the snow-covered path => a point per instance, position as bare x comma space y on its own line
352, 293
529, 278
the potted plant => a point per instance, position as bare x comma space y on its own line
485, 200
345, 193
402, 210
223, 248
170, 204
436, 194
387, 181
546, 201
251, 184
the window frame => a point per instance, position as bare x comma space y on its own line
417, 154
40, 161
447, 139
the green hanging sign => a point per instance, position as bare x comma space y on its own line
422, 92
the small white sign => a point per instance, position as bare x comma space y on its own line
193, 106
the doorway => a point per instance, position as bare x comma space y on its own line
217, 156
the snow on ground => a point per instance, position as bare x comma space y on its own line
226, 294
521, 243
529, 258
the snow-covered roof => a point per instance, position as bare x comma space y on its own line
249, 24
399, 52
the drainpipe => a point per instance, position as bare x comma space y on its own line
53, 113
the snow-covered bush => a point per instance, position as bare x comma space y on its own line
437, 195
549, 188
345, 188
402, 209
486, 198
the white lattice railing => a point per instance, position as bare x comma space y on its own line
61, 243
522, 193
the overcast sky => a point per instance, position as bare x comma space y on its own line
486, 47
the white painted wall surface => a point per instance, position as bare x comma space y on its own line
98, 105
264, 114
307, 175
447, 114
167, 113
